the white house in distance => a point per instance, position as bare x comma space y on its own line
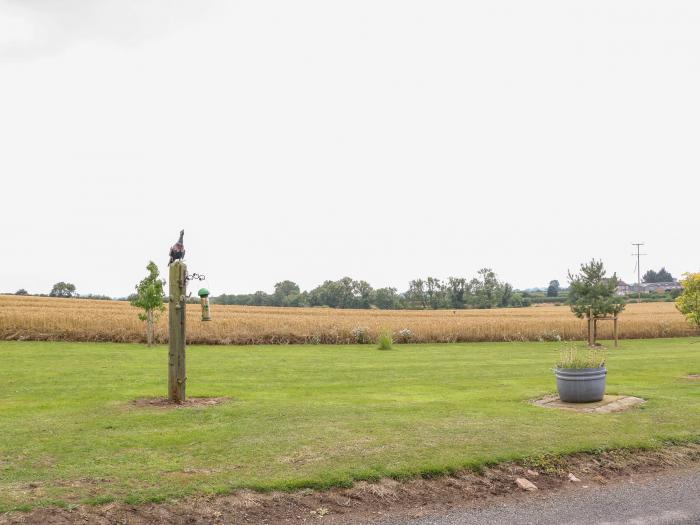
622, 288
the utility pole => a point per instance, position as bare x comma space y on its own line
639, 270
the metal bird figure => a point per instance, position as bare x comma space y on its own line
177, 251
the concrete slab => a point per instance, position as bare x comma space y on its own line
608, 405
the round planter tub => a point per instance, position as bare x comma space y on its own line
581, 385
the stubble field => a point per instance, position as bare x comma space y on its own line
52, 319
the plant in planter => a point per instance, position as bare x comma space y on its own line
581, 374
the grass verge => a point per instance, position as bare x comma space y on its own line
308, 416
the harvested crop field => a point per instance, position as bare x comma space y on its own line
53, 319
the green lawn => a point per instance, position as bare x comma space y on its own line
307, 415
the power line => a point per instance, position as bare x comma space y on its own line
639, 270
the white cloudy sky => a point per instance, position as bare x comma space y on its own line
379, 139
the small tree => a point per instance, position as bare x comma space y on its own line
592, 295
689, 301
62, 289
149, 297
21, 291
553, 289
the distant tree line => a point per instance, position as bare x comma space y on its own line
662, 276
483, 291
67, 290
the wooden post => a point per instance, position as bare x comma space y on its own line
615, 329
176, 314
590, 327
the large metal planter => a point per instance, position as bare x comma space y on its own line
581, 385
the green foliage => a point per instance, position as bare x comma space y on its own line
149, 297
287, 293
662, 276
688, 303
343, 293
387, 298
518, 300
149, 292
385, 342
574, 357
590, 289
457, 289
21, 291
654, 297
506, 295
62, 289
553, 289
415, 296
485, 291
543, 299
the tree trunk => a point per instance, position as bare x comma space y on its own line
149, 328
595, 331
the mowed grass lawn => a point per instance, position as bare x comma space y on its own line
307, 415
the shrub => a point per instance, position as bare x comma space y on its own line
405, 335
572, 357
550, 335
360, 334
384, 342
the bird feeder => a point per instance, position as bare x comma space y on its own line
204, 301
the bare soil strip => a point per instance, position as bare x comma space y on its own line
609, 404
190, 402
366, 502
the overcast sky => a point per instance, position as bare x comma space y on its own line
308, 140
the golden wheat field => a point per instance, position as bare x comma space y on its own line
52, 319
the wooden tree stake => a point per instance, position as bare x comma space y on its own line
177, 378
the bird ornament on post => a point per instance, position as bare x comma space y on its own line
177, 251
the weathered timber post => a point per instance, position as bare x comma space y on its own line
615, 329
177, 378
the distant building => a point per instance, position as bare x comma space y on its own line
661, 287
656, 287
622, 288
